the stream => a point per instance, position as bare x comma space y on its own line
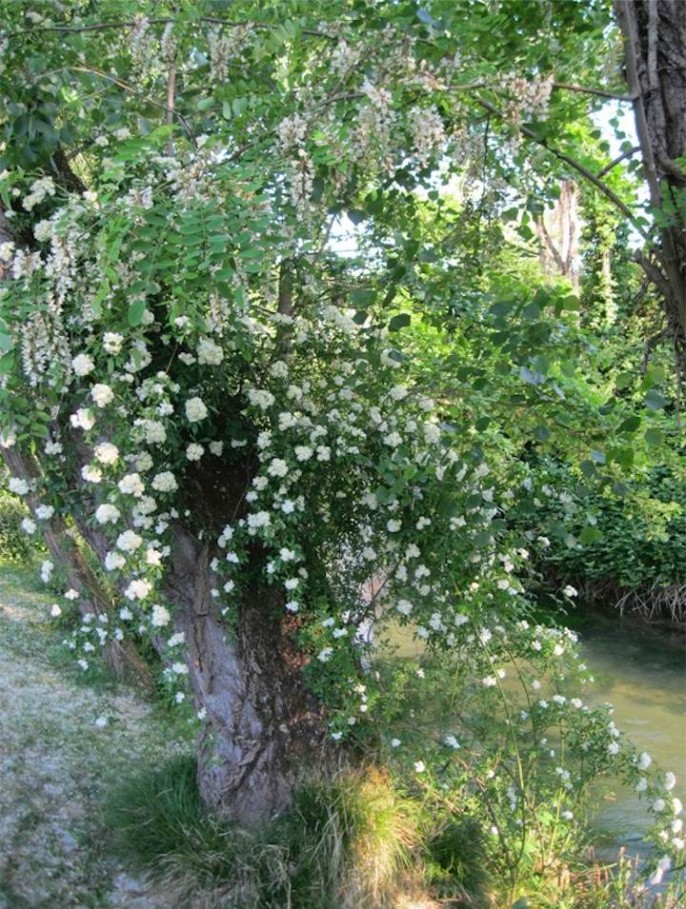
641, 670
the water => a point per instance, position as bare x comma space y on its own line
641, 670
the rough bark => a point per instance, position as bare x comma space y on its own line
263, 729
655, 53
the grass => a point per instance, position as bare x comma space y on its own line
351, 843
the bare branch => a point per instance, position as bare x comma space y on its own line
586, 90
618, 160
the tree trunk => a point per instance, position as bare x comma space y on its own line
655, 53
264, 730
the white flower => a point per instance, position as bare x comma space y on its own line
82, 419
132, 485
102, 395
277, 468
642, 785
644, 761
303, 452
432, 433
82, 365
404, 607
489, 682
114, 560
18, 487
44, 512
138, 590
154, 431
209, 353
570, 591
393, 439
165, 482
91, 474
46, 570
55, 610
261, 519
106, 453
160, 616
112, 342
28, 526
195, 410
613, 748
128, 541
393, 526
398, 392
216, 448
325, 655
419, 766
659, 805
664, 864
260, 398
194, 451
451, 741
670, 781
107, 514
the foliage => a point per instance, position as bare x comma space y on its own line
15, 545
345, 443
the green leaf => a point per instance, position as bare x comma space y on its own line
135, 315
654, 400
402, 320
622, 456
542, 433
654, 436
6, 343
482, 423
631, 424
590, 535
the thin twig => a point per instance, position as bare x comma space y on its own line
618, 160
599, 92
134, 91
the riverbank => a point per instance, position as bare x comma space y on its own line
66, 741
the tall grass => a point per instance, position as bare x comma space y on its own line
350, 843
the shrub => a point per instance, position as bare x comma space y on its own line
15, 545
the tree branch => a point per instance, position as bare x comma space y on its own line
618, 160
599, 92
575, 165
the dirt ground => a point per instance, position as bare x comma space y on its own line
63, 742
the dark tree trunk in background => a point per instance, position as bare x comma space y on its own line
655, 54
264, 730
